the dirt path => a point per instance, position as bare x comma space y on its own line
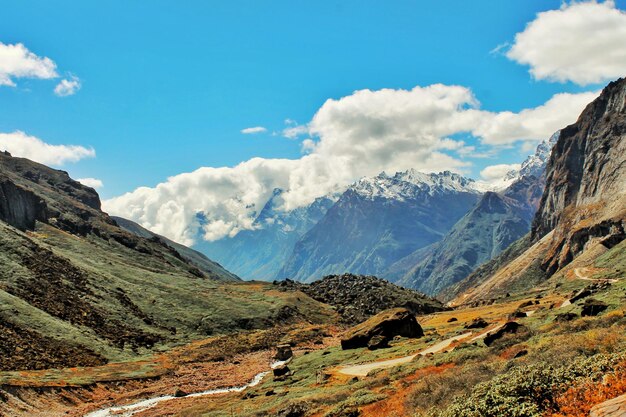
581, 274
364, 369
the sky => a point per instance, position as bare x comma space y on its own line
172, 110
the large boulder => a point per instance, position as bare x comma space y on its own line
593, 307
510, 327
283, 352
390, 323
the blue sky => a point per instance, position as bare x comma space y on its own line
166, 89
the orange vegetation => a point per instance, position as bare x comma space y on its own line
394, 404
578, 400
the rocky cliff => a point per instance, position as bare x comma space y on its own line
584, 198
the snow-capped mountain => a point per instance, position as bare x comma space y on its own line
408, 184
379, 220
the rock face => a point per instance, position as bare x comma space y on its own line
358, 297
383, 327
378, 221
584, 198
593, 307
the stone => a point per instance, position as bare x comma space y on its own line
517, 314
593, 307
378, 342
477, 323
452, 319
389, 323
521, 353
510, 327
180, 393
563, 317
283, 352
281, 370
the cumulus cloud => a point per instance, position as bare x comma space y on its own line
497, 172
91, 182
16, 61
582, 42
292, 132
533, 124
253, 130
20, 144
67, 87
359, 135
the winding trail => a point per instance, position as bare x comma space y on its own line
581, 274
364, 369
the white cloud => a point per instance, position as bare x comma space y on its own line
294, 131
534, 124
16, 61
359, 135
253, 130
91, 182
497, 172
20, 144
582, 42
67, 87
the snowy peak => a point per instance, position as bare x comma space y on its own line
535, 164
412, 183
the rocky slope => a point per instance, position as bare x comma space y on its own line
260, 253
76, 289
378, 221
205, 265
496, 221
582, 209
358, 297
585, 195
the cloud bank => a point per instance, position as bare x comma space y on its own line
20, 144
582, 42
358, 135
91, 182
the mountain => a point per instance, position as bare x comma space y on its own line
205, 265
78, 290
260, 253
497, 220
378, 221
582, 210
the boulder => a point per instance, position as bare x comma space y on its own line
178, 393
477, 323
378, 342
563, 317
611, 408
593, 307
390, 323
510, 327
517, 314
281, 370
283, 352
452, 319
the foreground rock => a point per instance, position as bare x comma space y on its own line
612, 408
383, 327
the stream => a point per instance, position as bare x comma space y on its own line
134, 408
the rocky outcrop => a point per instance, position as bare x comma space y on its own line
19, 207
584, 198
358, 297
383, 327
